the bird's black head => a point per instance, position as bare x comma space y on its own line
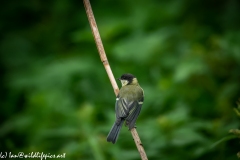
127, 77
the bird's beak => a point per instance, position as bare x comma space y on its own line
119, 79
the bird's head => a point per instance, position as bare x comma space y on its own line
127, 79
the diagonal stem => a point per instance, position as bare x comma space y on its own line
104, 60
99, 44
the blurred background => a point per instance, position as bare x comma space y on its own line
56, 96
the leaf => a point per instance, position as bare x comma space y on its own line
227, 138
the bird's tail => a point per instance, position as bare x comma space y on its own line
114, 132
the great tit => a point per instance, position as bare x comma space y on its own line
128, 105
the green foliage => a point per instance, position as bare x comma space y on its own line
56, 97
236, 132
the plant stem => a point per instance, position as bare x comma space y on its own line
104, 60
99, 44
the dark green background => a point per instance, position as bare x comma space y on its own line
56, 96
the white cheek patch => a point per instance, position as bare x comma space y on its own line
117, 99
124, 82
140, 102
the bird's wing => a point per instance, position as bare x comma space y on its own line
128, 110
135, 109
122, 107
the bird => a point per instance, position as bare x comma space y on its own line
128, 105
